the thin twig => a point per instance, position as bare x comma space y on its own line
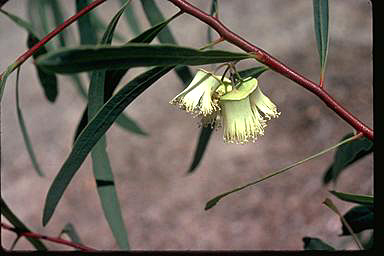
56, 240
274, 64
54, 32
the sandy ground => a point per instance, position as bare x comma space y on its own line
163, 207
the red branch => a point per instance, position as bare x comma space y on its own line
274, 64
52, 239
57, 30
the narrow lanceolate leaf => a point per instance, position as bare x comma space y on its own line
202, 144
347, 155
216, 199
47, 80
95, 129
154, 17
113, 78
316, 244
87, 31
100, 161
58, 18
321, 21
131, 18
86, 58
354, 198
253, 72
15, 221
24, 131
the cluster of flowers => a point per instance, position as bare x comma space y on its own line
237, 108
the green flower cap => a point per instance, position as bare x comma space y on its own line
202, 94
241, 123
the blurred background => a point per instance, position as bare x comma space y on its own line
163, 207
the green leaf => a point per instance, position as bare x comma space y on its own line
20, 22
14, 220
95, 129
47, 80
347, 155
315, 244
253, 72
24, 130
4, 77
216, 199
131, 18
58, 19
321, 21
87, 31
129, 124
86, 58
70, 230
354, 198
202, 144
360, 218
100, 161
113, 77
154, 17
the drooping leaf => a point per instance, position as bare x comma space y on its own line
131, 18
95, 129
321, 22
47, 80
58, 18
16, 222
316, 244
102, 169
88, 33
86, 58
347, 155
202, 144
354, 198
216, 199
113, 78
19, 21
24, 130
359, 218
154, 16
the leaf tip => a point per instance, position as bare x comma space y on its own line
212, 203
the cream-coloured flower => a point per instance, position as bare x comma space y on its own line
241, 124
262, 103
202, 94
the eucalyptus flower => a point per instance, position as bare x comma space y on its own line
202, 95
261, 102
241, 123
